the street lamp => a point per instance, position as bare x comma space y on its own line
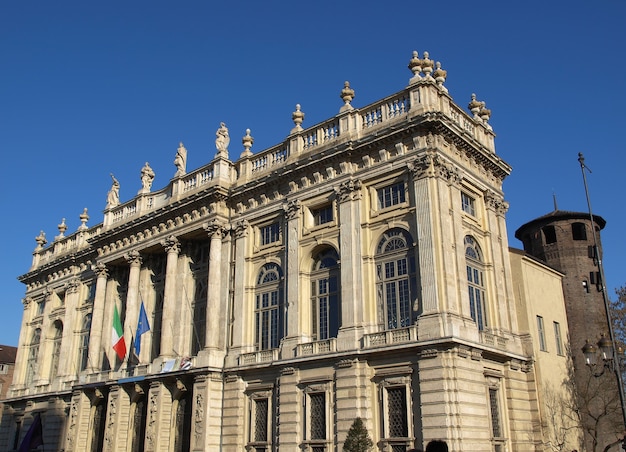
608, 357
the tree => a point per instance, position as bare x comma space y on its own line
358, 439
618, 317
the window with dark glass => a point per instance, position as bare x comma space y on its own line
33, 356
395, 277
542, 334
322, 214
397, 412
579, 231
549, 234
270, 233
325, 295
318, 415
391, 195
269, 307
475, 282
83, 344
468, 204
56, 348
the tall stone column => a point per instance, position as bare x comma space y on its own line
240, 329
292, 271
67, 360
423, 173
168, 323
216, 314
97, 318
132, 299
349, 197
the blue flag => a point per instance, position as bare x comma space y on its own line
142, 327
34, 436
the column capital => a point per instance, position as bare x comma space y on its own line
215, 228
133, 257
432, 165
241, 228
26, 301
101, 270
349, 190
171, 244
292, 209
73, 285
495, 202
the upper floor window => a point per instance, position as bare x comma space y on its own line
269, 307
549, 234
579, 231
322, 214
391, 195
56, 348
475, 282
83, 342
542, 334
4, 368
33, 356
468, 204
270, 233
90, 292
558, 339
395, 278
325, 295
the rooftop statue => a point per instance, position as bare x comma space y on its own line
147, 176
222, 141
180, 160
113, 197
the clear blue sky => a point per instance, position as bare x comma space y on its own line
90, 88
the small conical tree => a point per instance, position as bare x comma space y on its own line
358, 439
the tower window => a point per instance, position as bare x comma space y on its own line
550, 234
579, 231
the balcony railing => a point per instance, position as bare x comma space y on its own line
390, 337
261, 356
317, 347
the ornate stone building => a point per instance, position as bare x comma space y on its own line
359, 268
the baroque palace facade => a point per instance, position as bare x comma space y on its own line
360, 268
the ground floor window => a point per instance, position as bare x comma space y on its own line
317, 417
395, 409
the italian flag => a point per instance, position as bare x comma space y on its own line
117, 336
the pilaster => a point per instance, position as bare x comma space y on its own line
132, 299
293, 215
240, 322
97, 318
207, 412
170, 301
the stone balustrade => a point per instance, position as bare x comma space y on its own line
423, 97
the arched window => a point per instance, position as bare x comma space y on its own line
395, 279
269, 307
325, 295
56, 348
475, 282
83, 344
33, 355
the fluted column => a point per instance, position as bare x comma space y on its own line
292, 301
240, 330
349, 197
215, 315
172, 247
132, 298
97, 318
67, 361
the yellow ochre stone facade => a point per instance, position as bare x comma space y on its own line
359, 268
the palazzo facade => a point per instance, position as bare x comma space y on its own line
360, 268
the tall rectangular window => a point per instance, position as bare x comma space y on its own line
391, 195
318, 415
468, 204
397, 413
270, 233
542, 334
557, 338
496, 428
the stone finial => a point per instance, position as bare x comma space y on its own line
484, 113
247, 142
83, 220
427, 66
474, 106
147, 176
41, 240
347, 94
222, 140
180, 161
415, 65
440, 76
62, 228
297, 117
